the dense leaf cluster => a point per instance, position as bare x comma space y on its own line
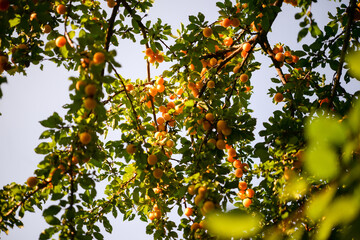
186, 139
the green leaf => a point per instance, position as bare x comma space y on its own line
98, 236
315, 30
353, 59
15, 21
50, 45
64, 51
303, 32
43, 148
52, 210
107, 225
71, 34
180, 211
52, 220
136, 195
46, 134
53, 121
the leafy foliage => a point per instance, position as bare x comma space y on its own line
186, 138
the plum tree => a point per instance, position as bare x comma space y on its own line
186, 138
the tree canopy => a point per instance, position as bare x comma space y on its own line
185, 139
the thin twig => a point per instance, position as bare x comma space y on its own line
127, 95
27, 196
65, 28
143, 31
336, 79
111, 21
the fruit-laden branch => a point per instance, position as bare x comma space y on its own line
143, 31
122, 90
336, 79
111, 21
100, 209
222, 64
27, 196
264, 43
127, 95
253, 41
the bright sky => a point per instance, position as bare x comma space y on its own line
27, 100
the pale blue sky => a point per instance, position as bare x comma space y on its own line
27, 100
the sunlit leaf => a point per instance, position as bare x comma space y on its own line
353, 60
295, 188
319, 203
237, 225
321, 162
326, 130
342, 211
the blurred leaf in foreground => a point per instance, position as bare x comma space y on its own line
353, 60
233, 224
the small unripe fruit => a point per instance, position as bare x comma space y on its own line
131, 149
188, 212
32, 182
207, 32
208, 206
250, 193
90, 89
152, 159
244, 78
280, 57
99, 58
210, 117
89, 103
85, 138
221, 124
195, 226
157, 173
60, 41
278, 97
46, 28
191, 189
247, 202
242, 185
246, 47
61, 9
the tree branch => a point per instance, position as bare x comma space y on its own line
110, 29
336, 79
65, 28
